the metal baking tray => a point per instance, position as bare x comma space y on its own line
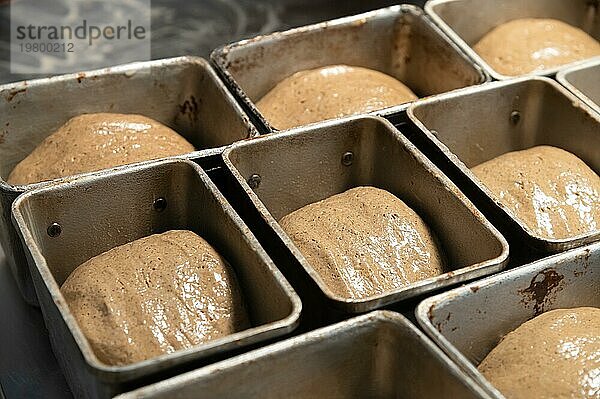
96, 213
400, 41
468, 322
184, 93
584, 81
378, 355
474, 125
282, 172
467, 21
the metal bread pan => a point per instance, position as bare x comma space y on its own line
584, 81
64, 225
184, 93
378, 355
400, 41
467, 21
468, 322
285, 171
474, 125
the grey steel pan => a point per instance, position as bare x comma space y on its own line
400, 41
97, 213
474, 125
378, 355
184, 93
284, 171
584, 81
468, 322
467, 21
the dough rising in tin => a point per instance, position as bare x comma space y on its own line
554, 356
330, 92
530, 45
364, 242
154, 295
91, 142
554, 193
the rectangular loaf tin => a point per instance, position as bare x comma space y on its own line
378, 355
302, 166
474, 125
584, 81
184, 93
468, 322
467, 21
97, 213
399, 40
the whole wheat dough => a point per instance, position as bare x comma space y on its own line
554, 193
529, 45
553, 356
154, 295
365, 242
330, 92
92, 142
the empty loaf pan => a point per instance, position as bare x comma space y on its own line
474, 125
584, 81
64, 225
399, 41
285, 171
183, 93
468, 322
379, 355
467, 21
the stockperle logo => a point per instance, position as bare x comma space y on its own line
60, 36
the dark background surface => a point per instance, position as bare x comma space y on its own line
188, 27
27, 366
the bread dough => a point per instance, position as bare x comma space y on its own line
553, 356
154, 295
330, 92
92, 142
364, 242
554, 193
529, 45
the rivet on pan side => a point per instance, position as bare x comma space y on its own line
54, 230
159, 204
347, 158
254, 181
515, 117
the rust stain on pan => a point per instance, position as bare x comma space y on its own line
430, 313
542, 289
12, 93
190, 109
440, 324
81, 76
584, 260
586, 257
